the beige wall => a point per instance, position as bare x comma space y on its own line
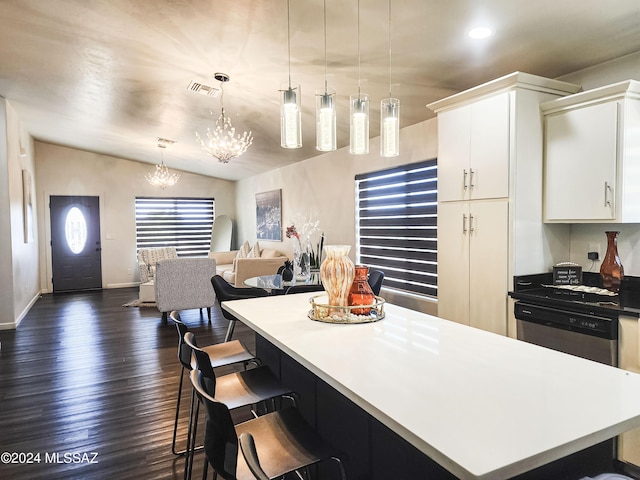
66, 171
324, 187
19, 265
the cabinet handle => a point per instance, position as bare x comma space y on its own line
607, 189
464, 224
464, 178
471, 227
471, 184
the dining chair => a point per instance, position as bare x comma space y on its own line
220, 355
282, 439
225, 291
246, 388
375, 280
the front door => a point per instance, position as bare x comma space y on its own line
75, 243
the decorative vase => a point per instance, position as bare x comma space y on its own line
302, 259
360, 292
286, 271
336, 274
611, 270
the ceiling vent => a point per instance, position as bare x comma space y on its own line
164, 142
202, 89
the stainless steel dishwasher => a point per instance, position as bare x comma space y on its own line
587, 335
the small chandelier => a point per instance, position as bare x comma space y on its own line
162, 177
223, 143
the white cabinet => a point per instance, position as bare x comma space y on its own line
490, 196
592, 156
473, 150
472, 260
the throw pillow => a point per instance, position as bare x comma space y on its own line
254, 252
242, 253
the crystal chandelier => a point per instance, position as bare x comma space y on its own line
222, 142
162, 177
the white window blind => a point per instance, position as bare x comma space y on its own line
396, 225
184, 223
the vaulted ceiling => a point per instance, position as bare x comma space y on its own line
110, 76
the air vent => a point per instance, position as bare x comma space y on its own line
164, 142
202, 89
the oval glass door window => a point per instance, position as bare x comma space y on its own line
75, 230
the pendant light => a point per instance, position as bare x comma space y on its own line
359, 113
290, 112
325, 107
389, 116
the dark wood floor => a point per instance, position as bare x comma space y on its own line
84, 379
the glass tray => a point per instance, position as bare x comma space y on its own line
321, 311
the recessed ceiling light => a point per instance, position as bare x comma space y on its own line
480, 32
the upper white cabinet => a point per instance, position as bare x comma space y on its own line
592, 156
473, 150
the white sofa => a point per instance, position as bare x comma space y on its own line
236, 270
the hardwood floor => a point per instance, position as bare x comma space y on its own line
84, 379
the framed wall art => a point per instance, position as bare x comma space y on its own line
269, 215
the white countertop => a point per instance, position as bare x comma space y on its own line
482, 405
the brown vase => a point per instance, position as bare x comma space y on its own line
611, 270
360, 292
336, 273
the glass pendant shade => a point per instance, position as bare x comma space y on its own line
359, 124
290, 117
325, 121
389, 127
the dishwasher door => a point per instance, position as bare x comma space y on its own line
584, 335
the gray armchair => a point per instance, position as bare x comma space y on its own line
184, 284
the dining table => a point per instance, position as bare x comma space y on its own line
480, 405
275, 284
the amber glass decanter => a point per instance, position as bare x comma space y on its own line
360, 292
611, 270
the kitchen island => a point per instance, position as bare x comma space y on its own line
481, 405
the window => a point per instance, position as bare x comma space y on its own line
396, 225
184, 223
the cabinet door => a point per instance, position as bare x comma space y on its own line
580, 163
489, 150
453, 153
473, 150
488, 262
453, 261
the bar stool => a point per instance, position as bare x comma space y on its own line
284, 440
225, 291
220, 355
239, 389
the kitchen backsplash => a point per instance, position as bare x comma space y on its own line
584, 237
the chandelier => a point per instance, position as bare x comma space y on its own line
162, 177
222, 142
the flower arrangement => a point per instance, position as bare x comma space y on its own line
303, 238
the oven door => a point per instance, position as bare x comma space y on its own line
587, 336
